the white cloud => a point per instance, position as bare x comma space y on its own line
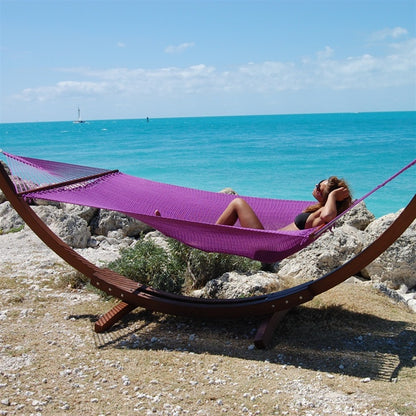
388, 33
322, 71
326, 53
121, 44
179, 48
63, 88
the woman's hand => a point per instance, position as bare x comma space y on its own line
340, 193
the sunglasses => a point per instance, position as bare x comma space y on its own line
318, 186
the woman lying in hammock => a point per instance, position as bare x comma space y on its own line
333, 196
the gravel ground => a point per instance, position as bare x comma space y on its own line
350, 352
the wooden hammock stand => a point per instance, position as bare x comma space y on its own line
131, 294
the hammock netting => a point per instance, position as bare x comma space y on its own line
187, 215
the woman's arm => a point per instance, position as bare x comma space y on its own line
329, 210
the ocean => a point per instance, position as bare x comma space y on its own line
274, 156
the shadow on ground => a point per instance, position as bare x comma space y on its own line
333, 340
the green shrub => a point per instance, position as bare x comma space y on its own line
149, 264
178, 269
199, 267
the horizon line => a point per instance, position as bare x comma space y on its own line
211, 116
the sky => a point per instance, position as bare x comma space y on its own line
166, 58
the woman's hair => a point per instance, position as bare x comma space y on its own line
333, 183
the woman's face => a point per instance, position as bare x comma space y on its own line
319, 190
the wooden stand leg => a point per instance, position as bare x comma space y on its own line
112, 316
266, 329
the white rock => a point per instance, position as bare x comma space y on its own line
71, 228
331, 250
412, 304
9, 218
107, 221
234, 285
397, 265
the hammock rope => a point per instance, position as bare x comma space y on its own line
187, 215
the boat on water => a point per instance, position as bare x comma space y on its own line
80, 120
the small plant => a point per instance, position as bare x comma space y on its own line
178, 269
17, 229
72, 279
149, 264
12, 230
199, 267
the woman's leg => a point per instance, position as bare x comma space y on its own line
238, 209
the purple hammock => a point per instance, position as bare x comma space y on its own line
187, 215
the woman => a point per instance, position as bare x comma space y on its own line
333, 196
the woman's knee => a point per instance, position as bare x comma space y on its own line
238, 203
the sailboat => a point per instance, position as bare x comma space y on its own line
79, 117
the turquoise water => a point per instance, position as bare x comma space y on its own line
278, 156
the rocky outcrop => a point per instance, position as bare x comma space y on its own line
236, 285
358, 217
114, 224
9, 219
330, 251
78, 226
86, 213
6, 167
71, 228
396, 267
393, 272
